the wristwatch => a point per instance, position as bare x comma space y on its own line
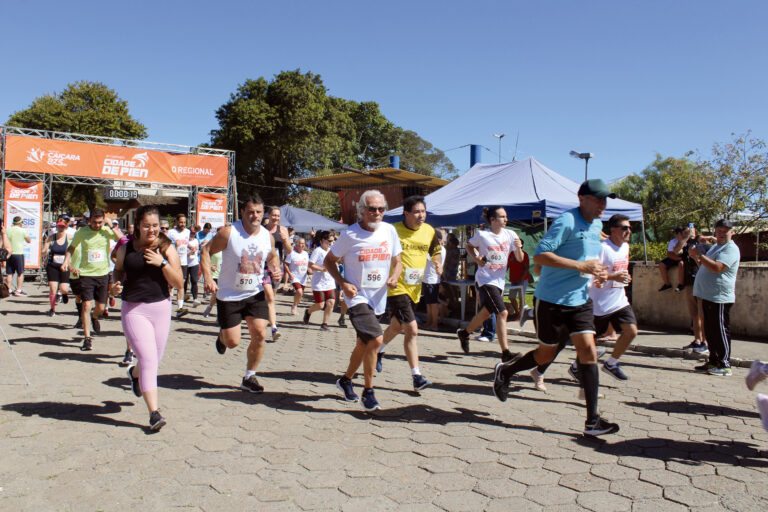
164, 263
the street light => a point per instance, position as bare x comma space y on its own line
585, 157
499, 137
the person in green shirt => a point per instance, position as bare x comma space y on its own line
17, 235
93, 269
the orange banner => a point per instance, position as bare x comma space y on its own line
212, 208
33, 154
25, 200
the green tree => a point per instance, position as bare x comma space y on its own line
89, 108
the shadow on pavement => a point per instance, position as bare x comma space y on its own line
83, 357
47, 341
694, 408
323, 377
173, 381
87, 413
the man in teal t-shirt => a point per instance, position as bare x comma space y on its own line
715, 285
17, 235
93, 269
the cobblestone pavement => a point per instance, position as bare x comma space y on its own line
76, 438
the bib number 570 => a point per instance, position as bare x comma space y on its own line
245, 281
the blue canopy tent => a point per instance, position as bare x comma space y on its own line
304, 221
528, 191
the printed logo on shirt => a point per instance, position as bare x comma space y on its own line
380, 253
497, 256
250, 261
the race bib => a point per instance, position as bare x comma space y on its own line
181, 249
373, 278
496, 258
96, 256
58, 259
413, 275
247, 282
302, 269
616, 284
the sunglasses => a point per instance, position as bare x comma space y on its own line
163, 229
624, 228
374, 209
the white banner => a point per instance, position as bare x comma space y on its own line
25, 200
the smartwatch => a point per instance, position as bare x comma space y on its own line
164, 263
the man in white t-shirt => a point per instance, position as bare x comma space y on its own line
179, 235
673, 260
490, 250
368, 248
296, 266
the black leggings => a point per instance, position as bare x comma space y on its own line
192, 274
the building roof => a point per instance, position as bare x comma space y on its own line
386, 176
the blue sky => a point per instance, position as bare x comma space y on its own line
623, 80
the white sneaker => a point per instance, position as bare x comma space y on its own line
538, 380
207, 311
762, 406
583, 396
755, 375
196, 303
483, 338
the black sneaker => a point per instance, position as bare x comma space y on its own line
345, 386
615, 371
379, 366
342, 322
370, 403
95, 325
508, 355
419, 383
78, 324
680, 288
500, 384
324, 327
65, 298
665, 288
464, 339
251, 384
134, 382
220, 347
87, 344
128, 359
306, 317
573, 371
156, 422
51, 313
600, 427
704, 367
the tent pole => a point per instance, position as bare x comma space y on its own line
645, 248
545, 225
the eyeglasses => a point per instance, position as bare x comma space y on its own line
374, 209
163, 229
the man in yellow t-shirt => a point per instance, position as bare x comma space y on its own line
419, 242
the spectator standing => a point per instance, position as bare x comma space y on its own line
673, 260
690, 268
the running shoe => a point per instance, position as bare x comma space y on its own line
464, 339
347, 390
207, 311
95, 324
87, 345
65, 298
196, 303
680, 288
701, 349
526, 315
220, 347
600, 427
369, 401
78, 324
181, 312
106, 313
251, 384
755, 375
294, 310
601, 352
134, 381
156, 422
665, 288
762, 406
324, 327
419, 382
720, 372
615, 371
703, 367
692, 345
51, 313
342, 322
379, 366
573, 371
583, 395
111, 302
128, 359
483, 338
500, 384
306, 317
507, 355
16, 293
275, 334
21, 292
538, 380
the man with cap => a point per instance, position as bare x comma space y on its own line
568, 255
17, 235
715, 285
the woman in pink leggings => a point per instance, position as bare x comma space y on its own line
148, 265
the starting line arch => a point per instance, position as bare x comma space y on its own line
148, 168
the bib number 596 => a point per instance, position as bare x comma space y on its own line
374, 278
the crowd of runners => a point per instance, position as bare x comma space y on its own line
370, 269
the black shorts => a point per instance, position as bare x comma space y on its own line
400, 307
624, 315
430, 292
56, 275
231, 313
364, 321
556, 323
669, 262
14, 265
74, 285
94, 288
491, 298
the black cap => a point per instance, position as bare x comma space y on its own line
596, 188
725, 223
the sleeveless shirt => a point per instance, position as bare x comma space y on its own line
143, 282
242, 263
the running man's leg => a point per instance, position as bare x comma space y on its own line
257, 327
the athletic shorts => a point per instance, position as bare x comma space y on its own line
669, 262
364, 321
322, 296
230, 313
491, 298
14, 265
429, 292
298, 286
56, 275
94, 288
400, 307
74, 285
624, 315
556, 323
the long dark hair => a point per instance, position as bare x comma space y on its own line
163, 242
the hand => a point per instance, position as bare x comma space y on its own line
518, 244
349, 289
116, 289
65, 267
481, 262
439, 268
153, 257
210, 286
623, 277
591, 267
392, 282
601, 276
277, 273
693, 252
75, 272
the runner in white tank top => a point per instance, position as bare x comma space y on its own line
246, 247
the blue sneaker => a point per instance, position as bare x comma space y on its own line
345, 386
419, 382
701, 348
369, 400
378, 361
722, 372
573, 371
615, 371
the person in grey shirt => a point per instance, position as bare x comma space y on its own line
715, 285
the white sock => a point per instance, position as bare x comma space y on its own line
383, 346
612, 361
248, 373
415, 371
181, 303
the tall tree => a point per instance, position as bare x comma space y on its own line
89, 108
